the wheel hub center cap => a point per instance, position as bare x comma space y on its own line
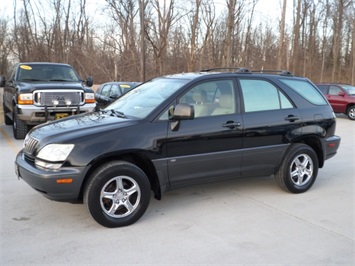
119, 196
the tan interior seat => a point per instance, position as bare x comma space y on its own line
226, 105
200, 103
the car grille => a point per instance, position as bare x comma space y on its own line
47, 98
29, 159
30, 145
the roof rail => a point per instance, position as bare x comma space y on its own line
280, 72
236, 69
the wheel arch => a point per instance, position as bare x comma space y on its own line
349, 105
138, 159
315, 143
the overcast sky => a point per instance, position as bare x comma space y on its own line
266, 10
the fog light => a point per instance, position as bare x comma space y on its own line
55, 102
68, 102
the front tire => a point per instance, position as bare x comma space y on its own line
350, 112
117, 194
20, 129
7, 119
298, 170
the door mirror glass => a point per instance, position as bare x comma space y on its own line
183, 111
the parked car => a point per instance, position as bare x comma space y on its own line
110, 91
37, 92
341, 97
179, 130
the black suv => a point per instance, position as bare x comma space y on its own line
180, 130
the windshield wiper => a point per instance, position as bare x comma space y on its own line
113, 112
30, 80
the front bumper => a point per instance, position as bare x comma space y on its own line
32, 114
45, 182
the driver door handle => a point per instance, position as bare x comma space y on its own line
231, 124
292, 118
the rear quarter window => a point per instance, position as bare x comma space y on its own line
306, 90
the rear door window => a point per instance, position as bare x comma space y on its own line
261, 95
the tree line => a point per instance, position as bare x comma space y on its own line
135, 40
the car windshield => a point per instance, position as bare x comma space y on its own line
142, 100
349, 89
45, 72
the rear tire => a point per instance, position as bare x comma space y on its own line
350, 112
117, 194
298, 170
19, 127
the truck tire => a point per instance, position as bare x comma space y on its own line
19, 127
117, 194
7, 119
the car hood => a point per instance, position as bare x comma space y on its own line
27, 87
78, 126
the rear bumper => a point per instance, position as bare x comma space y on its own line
331, 146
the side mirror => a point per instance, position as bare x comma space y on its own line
89, 81
2, 81
184, 111
341, 93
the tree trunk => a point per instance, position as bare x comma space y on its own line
353, 55
338, 26
280, 51
296, 37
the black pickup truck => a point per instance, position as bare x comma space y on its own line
38, 92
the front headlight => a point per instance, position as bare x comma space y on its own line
25, 98
52, 156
